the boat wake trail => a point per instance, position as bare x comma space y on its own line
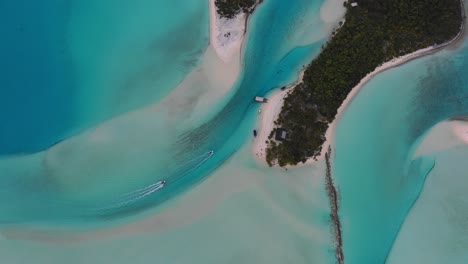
174, 175
191, 165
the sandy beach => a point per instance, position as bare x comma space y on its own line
226, 35
219, 69
270, 111
268, 114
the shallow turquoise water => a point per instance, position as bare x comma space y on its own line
99, 178
243, 213
104, 173
437, 223
378, 180
130, 54
67, 65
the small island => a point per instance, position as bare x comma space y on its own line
372, 33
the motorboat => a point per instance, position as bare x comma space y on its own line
159, 185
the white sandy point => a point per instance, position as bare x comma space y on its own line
226, 35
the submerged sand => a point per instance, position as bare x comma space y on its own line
239, 207
445, 135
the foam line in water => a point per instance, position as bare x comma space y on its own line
132, 199
189, 166
136, 195
142, 190
195, 162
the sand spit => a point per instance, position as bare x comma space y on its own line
443, 136
227, 35
219, 69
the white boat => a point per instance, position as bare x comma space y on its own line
135, 195
158, 185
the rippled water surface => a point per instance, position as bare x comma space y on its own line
103, 82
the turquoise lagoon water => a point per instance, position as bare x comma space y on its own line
437, 223
242, 213
67, 65
82, 180
106, 172
435, 229
378, 178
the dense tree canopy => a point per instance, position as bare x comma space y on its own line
375, 31
230, 8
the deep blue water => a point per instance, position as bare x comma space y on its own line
36, 81
69, 65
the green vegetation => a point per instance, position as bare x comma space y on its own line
375, 31
230, 8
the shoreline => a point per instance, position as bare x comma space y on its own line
269, 113
259, 145
227, 35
